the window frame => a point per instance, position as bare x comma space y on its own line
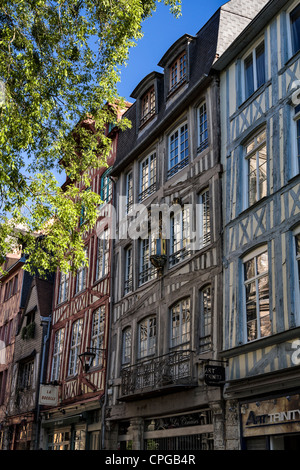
81, 277
26, 375
176, 332
176, 77
291, 49
204, 225
177, 256
149, 272
148, 179
253, 255
202, 142
103, 255
150, 349
247, 157
252, 54
63, 283
57, 354
205, 322
98, 335
296, 264
148, 105
295, 163
75, 346
106, 187
175, 143
129, 191
128, 278
126, 346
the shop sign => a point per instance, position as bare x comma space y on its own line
48, 395
214, 375
274, 416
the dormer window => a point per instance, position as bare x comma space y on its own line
147, 106
178, 71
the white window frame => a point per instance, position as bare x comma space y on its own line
126, 345
150, 328
75, 346
253, 255
295, 157
252, 53
202, 133
174, 142
180, 324
148, 178
204, 226
63, 289
97, 334
57, 354
103, 243
106, 187
258, 146
81, 277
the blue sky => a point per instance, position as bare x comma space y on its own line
160, 32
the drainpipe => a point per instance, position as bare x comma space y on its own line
44, 321
111, 297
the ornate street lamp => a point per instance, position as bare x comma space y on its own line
87, 357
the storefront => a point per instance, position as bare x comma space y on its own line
271, 423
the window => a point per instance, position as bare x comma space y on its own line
256, 164
148, 106
75, 346
81, 277
202, 128
97, 337
63, 288
181, 324
128, 270
147, 337
205, 319
204, 226
178, 150
178, 71
25, 375
254, 69
129, 191
102, 255
106, 187
295, 164
126, 346
57, 354
256, 285
297, 270
147, 176
295, 29
3, 376
179, 239
147, 249
11, 288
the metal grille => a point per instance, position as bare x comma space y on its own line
191, 442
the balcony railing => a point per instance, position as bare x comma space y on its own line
158, 374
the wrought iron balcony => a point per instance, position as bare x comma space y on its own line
162, 374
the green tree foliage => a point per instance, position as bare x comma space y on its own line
59, 67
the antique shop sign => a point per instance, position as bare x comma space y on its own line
214, 375
48, 395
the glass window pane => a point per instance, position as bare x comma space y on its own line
260, 64
249, 79
295, 26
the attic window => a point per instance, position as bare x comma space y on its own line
147, 105
178, 71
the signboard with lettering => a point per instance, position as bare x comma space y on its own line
273, 416
214, 375
48, 395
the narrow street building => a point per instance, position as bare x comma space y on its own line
28, 370
14, 287
166, 324
260, 128
79, 335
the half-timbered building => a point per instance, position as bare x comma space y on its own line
260, 125
167, 294
79, 337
